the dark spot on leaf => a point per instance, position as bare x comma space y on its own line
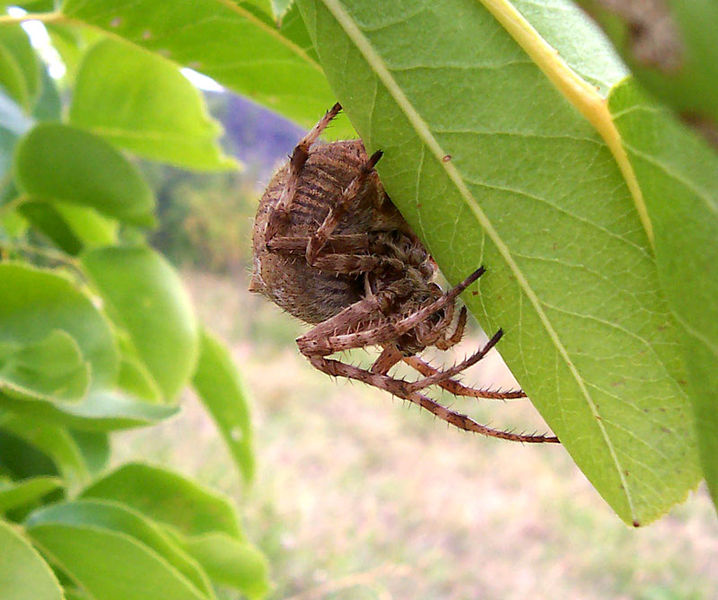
636, 523
446, 158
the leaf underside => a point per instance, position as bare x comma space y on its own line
534, 194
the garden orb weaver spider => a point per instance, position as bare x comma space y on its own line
331, 249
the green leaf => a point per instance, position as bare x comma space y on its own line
232, 563
146, 297
44, 217
141, 102
111, 516
22, 460
37, 302
167, 497
678, 175
262, 64
111, 565
16, 494
95, 448
58, 162
55, 442
670, 47
500, 169
52, 368
219, 386
20, 72
24, 575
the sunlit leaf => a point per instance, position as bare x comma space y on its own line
140, 101
145, 295
168, 497
24, 575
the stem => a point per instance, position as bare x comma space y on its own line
48, 253
49, 17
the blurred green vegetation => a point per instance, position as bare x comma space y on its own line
205, 219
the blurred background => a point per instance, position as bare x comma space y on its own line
359, 495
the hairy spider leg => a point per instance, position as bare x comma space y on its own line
454, 338
280, 214
457, 388
398, 388
388, 331
337, 211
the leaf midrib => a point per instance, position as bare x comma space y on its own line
422, 130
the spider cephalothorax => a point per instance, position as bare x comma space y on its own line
331, 249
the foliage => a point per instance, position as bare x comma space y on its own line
512, 137
98, 334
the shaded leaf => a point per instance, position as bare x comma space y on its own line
141, 102
58, 162
224, 395
15, 494
145, 296
24, 575
168, 497
20, 71
55, 442
535, 195
678, 175
95, 448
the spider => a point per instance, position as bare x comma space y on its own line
331, 249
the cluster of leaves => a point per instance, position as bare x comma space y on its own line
513, 137
97, 334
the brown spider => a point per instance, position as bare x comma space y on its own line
331, 249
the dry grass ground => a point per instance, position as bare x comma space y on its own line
360, 497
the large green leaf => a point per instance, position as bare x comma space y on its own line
259, 62
58, 162
223, 393
145, 296
167, 497
533, 193
231, 563
679, 180
24, 575
102, 514
141, 102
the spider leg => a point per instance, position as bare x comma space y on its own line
387, 331
455, 337
389, 356
280, 214
457, 388
457, 368
338, 210
398, 388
